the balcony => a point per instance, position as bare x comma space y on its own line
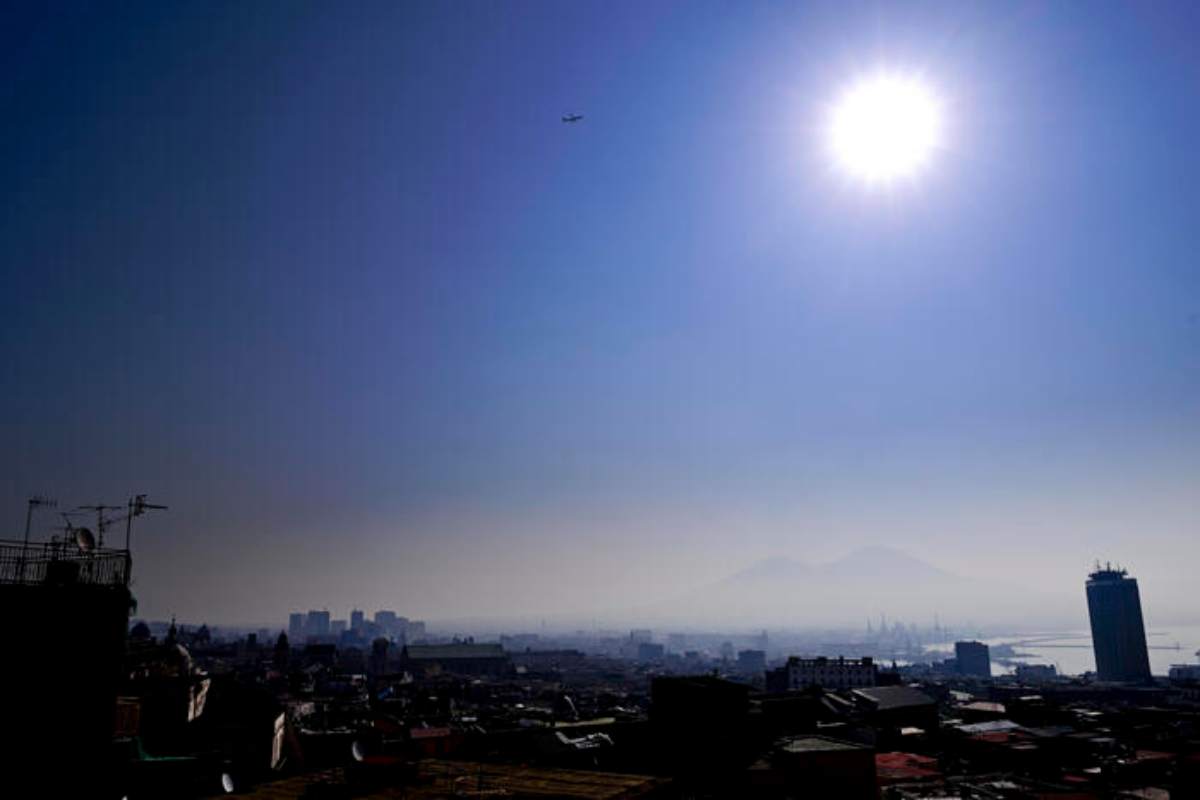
62, 563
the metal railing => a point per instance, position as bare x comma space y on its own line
59, 562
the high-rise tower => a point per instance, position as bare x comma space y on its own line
1118, 633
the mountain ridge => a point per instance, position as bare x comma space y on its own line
869, 561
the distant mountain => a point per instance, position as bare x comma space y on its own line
774, 568
779, 590
783, 592
886, 564
875, 563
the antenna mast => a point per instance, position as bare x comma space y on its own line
35, 501
101, 522
137, 507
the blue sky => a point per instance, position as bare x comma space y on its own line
337, 285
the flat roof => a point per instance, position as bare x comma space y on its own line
813, 744
889, 697
418, 652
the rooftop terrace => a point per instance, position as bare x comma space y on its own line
59, 562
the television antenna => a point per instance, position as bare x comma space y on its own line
36, 501
101, 522
136, 507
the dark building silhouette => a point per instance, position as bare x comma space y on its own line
316, 624
1118, 633
460, 658
896, 707
816, 766
752, 662
283, 653
973, 658
650, 651
66, 612
828, 673
699, 724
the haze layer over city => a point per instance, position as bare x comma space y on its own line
350, 291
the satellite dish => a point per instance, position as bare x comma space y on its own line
85, 540
227, 783
358, 751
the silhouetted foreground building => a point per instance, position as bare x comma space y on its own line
896, 707
699, 725
1118, 633
69, 611
815, 766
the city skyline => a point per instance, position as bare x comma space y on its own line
665, 400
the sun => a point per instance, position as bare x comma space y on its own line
885, 128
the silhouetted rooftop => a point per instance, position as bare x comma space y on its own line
814, 744
62, 563
1107, 573
888, 697
457, 650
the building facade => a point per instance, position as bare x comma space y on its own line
752, 662
1118, 632
1036, 673
973, 658
317, 623
1187, 673
462, 658
650, 651
827, 673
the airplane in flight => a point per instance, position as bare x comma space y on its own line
572, 117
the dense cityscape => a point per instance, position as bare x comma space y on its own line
385, 706
600, 400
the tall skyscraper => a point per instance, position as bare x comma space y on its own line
1118, 633
386, 620
317, 623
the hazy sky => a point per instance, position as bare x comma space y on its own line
335, 283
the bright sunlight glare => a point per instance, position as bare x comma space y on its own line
885, 128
